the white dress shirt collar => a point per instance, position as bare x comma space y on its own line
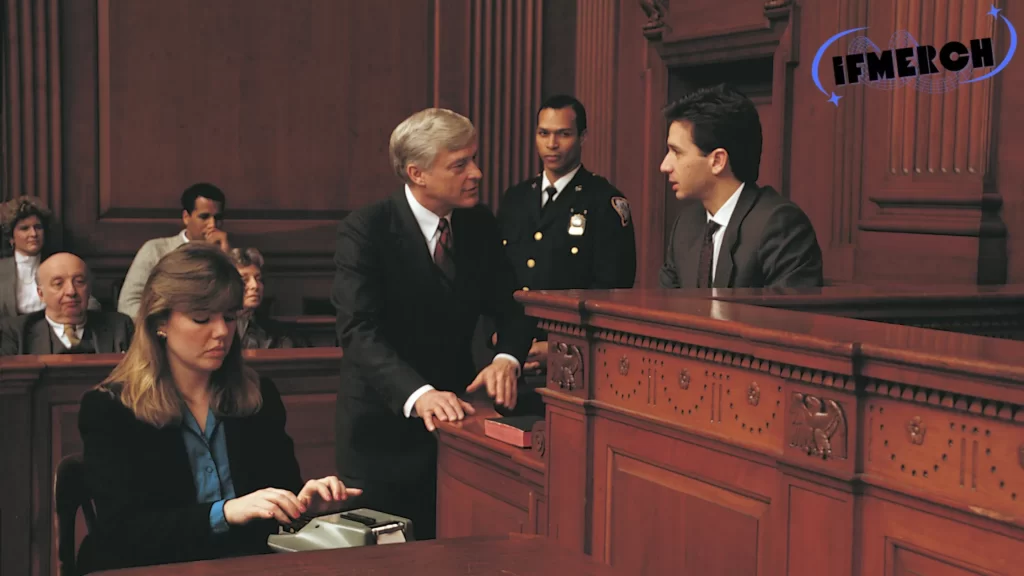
58, 329
184, 236
722, 218
426, 219
27, 298
559, 184
26, 259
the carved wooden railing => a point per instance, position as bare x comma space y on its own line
879, 443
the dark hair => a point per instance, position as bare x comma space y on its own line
722, 117
17, 209
561, 101
203, 189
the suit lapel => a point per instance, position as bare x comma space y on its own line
724, 270
689, 247
412, 246
101, 333
534, 199
8, 287
39, 339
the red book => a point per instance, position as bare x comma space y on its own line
514, 430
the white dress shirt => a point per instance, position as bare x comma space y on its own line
58, 329
722, 218
559, 185
428, 226
184, 236
28, 300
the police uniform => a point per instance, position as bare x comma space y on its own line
582, 239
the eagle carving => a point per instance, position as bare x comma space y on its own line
567, 366
817, 426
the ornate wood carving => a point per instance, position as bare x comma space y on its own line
538, 437
624, 365
566, 366
916, 430
655, 10
684, 379
754, 394
818, 425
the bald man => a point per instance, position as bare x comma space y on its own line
65, 325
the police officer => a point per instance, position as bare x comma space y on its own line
566, 228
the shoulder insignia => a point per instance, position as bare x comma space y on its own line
621, 205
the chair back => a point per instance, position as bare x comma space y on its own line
70, 493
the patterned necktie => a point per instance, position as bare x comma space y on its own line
707, 255
69, 331
549, 199
443, 250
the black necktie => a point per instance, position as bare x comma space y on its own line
551, 190
707, 255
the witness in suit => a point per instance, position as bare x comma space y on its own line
255, 328
185, 450
202, 213
65, 326
25, 222
731, 233
415, 272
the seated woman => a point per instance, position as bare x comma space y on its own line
25, 221
185, 450
255, 328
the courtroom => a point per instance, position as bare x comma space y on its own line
496, 287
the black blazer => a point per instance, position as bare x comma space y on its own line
142, 485
769, 242
402, 326
109, 332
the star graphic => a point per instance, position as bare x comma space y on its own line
994, 11
835, 99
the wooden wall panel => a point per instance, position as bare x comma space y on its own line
287, 106
505, 84
596, 51
30, 119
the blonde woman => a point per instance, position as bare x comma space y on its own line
185, 449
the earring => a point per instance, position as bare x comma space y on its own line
161, 333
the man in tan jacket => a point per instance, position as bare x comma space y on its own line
202, 212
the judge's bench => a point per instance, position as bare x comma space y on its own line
843, 431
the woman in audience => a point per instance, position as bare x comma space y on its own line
185, 450
256, 329
25, 221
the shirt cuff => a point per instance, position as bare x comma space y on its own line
519, 367
411, 402
218, 523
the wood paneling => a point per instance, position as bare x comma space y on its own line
30, 120
596, 53
505, 86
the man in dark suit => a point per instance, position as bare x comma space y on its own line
566, 227
65, 326
414, 274
732, 233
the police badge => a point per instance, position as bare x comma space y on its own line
621, 205
577, 224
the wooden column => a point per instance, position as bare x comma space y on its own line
596, 29
32, 106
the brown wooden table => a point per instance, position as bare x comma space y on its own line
514, 554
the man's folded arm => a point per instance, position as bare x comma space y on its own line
356, 296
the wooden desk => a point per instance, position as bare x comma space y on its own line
39, 398
703, 436
479, 556
484, 486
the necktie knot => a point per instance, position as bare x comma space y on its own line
69, 332
548, 196
710, 229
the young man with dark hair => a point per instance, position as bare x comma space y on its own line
202, 213
735, 234
566, 227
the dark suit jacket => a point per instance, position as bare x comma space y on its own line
769, 242
402, 326
8, 287
110, 332
142, 485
